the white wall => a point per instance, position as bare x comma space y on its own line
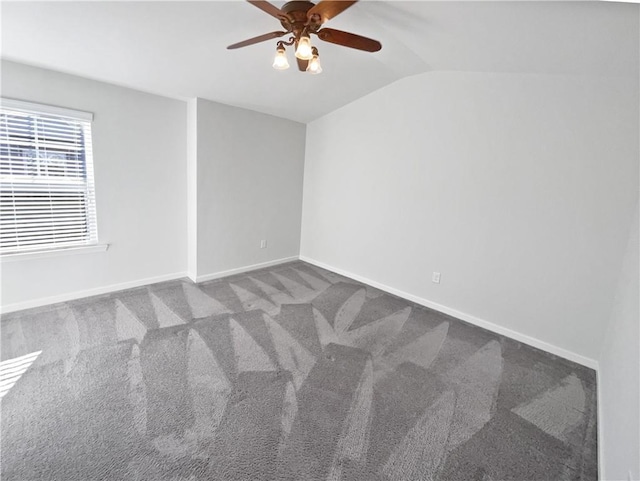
139, 146
619, 376
249, 187
519, 189
181, 187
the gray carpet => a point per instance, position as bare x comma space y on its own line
291, 373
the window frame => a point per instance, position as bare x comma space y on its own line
91, 244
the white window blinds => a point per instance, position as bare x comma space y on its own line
47, 197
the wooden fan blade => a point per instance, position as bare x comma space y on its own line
327, 9
258, 39
302, 64
347, 39
268, 8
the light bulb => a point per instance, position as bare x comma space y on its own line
280, 62
304, 52
314, 66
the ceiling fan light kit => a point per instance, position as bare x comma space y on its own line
301, 19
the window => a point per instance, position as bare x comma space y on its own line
47, 198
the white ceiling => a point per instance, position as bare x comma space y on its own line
178, 49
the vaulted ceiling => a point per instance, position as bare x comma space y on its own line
178, 49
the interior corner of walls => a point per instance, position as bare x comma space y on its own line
192, 187
242, 269
600, 423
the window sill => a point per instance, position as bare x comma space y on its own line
23, 256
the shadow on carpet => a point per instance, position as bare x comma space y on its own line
286, 373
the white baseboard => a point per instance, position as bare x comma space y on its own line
240, 270
531, 341
4, 309
88, 292
537, 343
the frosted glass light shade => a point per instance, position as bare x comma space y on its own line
304, 51
280, 62
314, 66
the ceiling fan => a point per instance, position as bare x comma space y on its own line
302, 19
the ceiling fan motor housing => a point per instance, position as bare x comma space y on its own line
296, 12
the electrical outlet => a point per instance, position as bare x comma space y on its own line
436, 278
263, 244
